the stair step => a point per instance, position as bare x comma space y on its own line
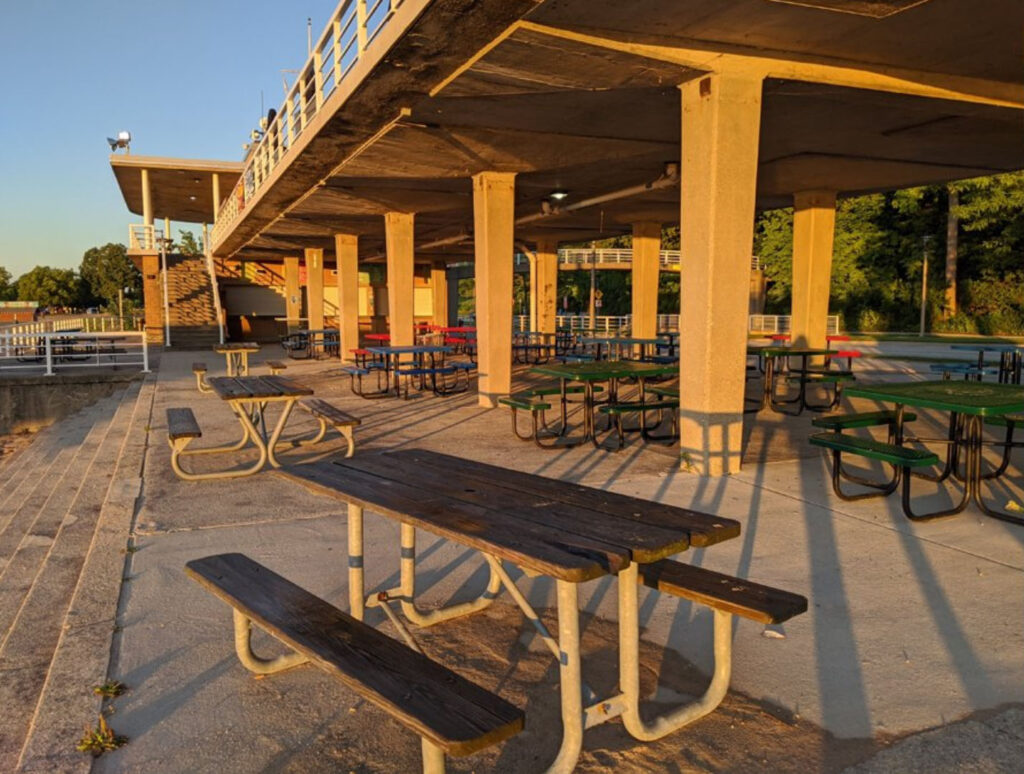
83, 652
29, 647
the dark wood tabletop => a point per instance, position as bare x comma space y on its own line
256, 387
555, 528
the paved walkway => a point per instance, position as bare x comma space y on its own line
912, 626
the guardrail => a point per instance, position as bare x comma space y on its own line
84, 323
63, 350
143, 237
577, 256
349, 32
780, 323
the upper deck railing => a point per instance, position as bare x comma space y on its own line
351, 29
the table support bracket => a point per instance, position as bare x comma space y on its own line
252, 662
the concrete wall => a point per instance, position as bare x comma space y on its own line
31, 402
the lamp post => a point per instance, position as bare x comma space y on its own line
927, 248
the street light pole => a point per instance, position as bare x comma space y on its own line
927, 247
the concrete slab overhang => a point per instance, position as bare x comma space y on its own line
853, 102
182, 189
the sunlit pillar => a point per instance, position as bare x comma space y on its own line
814, 225
439, 293
346, 250
292, 293
646, 268
493, 218
547, 286
721, 116
398, 228
315, 288
216, 195
147, 199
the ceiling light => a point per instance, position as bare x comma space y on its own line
192, 198
559, 195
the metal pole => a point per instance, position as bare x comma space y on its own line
120, 308
593, 288
924, 282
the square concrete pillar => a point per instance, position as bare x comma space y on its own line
439, 293
315, 288
546, 292
721, 116
493, 219
153, 299
814, 225
292, 293
646, 271
398, 232
346, 252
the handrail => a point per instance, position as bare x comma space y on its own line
58, 350
351, 29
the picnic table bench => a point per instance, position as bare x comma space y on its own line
567, 532
452, 715
330, 415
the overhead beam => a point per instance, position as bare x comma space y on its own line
721, 57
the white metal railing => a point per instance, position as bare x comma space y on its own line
780, 323
348, 33
57, 351
615, 257
143, 237
83, 323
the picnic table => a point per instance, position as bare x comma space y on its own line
569, 533
1010, 360
394, 368
616, 346
968, 404
589, 373
236, 353
248, 397
533, 346
768, 357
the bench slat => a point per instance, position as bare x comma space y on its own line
455, 714
332, 414
863, 419
524, 401
636, 407
199, 368
876, 450
723, 592
181, 423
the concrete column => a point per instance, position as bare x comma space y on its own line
398, 228
147, 199
814, 225
531, 323
721, 116
292, 293
216, 195
493, 219
439, 292
315, 288
646, 270
153, 299
346, 250
547, 286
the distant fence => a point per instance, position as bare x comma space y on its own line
85, 323
26, 352
758, 323
780, 323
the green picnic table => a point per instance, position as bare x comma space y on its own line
589, 373
968, 404
769, 355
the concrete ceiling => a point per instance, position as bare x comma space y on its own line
576, 115
182, 189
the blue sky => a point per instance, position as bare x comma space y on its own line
184, 76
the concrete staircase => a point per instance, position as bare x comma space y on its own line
61, 562
193, 316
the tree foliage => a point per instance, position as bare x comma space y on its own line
106, 270
8, 290
49, 286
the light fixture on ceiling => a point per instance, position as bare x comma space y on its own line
559, 195
123, 140
192, 197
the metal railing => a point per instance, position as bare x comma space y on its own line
615, 257
58, 351
143, 237
780, 323
84, 323
349, 32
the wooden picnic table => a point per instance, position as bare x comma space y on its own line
589, 373
968, 404
564, 531
236, 353
248, 397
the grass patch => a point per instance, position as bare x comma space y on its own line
110, 689
101, 739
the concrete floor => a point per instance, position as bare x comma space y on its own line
910, 626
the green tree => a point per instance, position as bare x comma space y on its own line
188, 244
107, 269
49, 286
8, 290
